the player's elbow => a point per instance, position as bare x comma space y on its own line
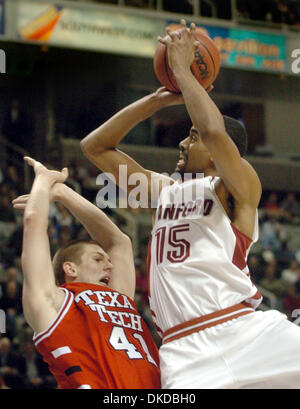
209, 132
89, 148
122, 241
127, 243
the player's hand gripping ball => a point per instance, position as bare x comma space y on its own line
206, 65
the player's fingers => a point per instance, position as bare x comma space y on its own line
21, 199
19, 206
164, 40
210, 88
184, 30
29, 160
65, 172
172, 34
183, 23
192, 30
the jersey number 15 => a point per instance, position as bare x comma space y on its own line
178, 248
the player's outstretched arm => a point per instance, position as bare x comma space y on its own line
237, 174
100, 146
41, 297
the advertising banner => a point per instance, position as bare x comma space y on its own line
87, 29
249, 49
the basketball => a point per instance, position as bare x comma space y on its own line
205, 67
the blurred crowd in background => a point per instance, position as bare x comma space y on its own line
274, 261
274, 264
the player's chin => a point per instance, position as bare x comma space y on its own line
180, 168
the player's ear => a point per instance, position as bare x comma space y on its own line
70, 269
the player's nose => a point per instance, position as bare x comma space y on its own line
108, 266
183, 144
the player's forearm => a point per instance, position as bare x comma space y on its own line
95, 221
203, 112
110, 134
37, 208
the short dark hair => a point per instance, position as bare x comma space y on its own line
72, 251
237, 132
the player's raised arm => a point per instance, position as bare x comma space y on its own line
238, 175
101, 229
100, 146
41, 297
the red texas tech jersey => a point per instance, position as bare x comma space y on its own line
99, 341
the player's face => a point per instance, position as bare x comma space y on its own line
194, 156
95, 266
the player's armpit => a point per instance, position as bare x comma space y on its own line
123, 276
238, 175
40, 309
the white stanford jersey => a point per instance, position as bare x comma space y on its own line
196, 257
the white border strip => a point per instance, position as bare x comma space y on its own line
61, 351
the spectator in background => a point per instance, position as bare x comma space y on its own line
270, 282
291, 301
7, 214
13, 180
284, 256
290, 275
272, 207
297, 285
17, 127
141, 280
271, 235
10, 303
10, 365
290, 208
243, 9
282, 13
14, 274
35, 370
255, 265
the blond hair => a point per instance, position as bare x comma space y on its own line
72, 251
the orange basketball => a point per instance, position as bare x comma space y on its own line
205, 67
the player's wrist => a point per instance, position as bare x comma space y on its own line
181, 71
58, 192
157, 101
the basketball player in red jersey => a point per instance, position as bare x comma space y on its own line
87, 327
201, 295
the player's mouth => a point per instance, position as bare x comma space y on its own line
104, 280
182, 160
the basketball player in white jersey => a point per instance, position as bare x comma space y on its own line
201, 296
